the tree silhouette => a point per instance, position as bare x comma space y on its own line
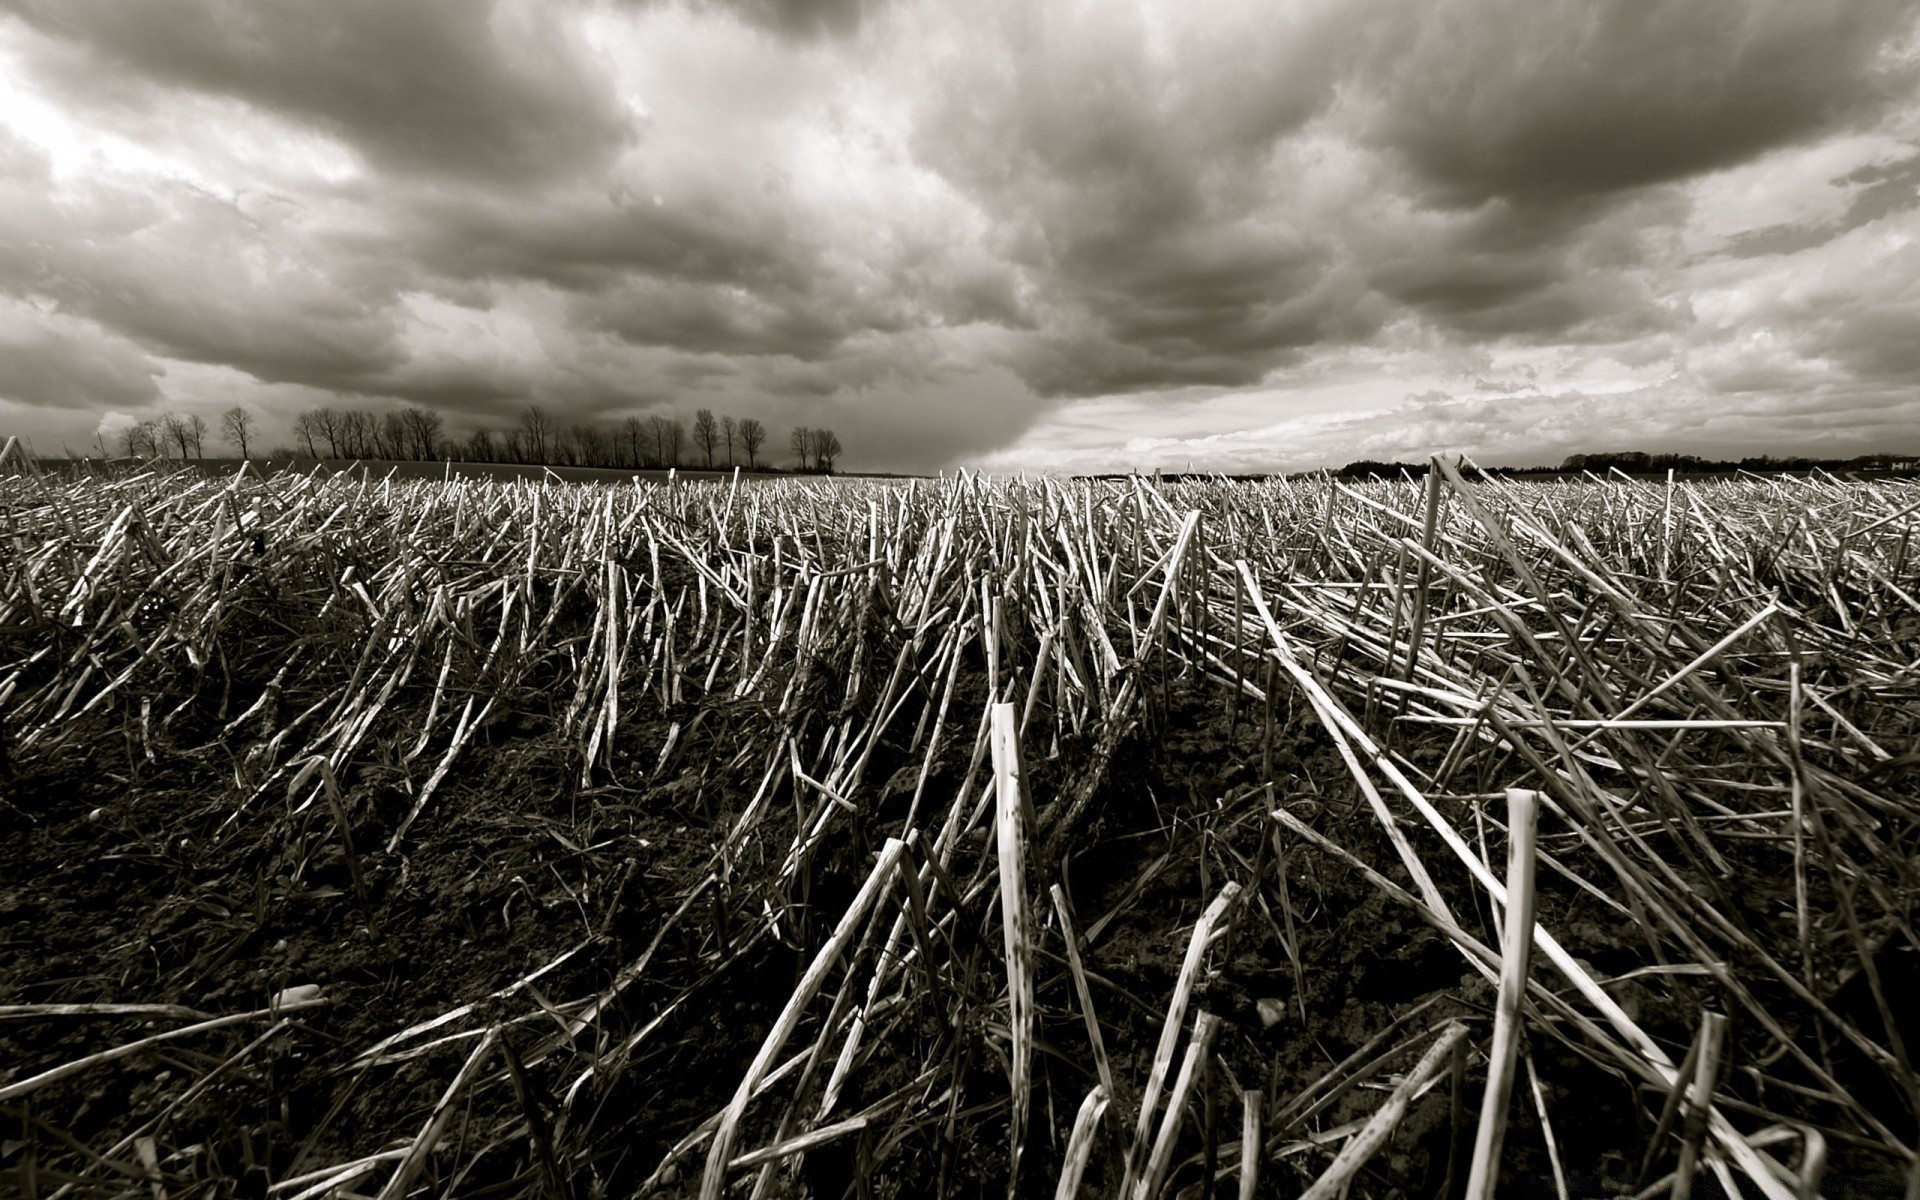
329, 424
753, 435
633, 438
141, 440
421, 430
185, 432
536, 429
706, 434
359, 431
666, 436
826, 448
236, 427
307, 431
393, 436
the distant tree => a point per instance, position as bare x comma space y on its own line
649, 446
306, 429
669, 437
236, 426
359, 434
350, 428
589, 445
422, 431
632, 438
826, 448
800, 441
753, 435
537, 430
479, 446
390, 436
633, 442
729, 430
513, 446
185, 433
706, 435
140, 440
331, 425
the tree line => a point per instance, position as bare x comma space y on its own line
1636, 462
184, 435
536, 438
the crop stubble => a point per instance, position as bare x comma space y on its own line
950, 837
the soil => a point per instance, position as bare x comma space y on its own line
128, 878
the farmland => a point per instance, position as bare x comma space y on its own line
949, 837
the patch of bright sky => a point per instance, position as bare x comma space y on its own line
1288, 423
72, 148
1791, 187
220, 146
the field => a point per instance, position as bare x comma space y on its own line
956, 838
406, 470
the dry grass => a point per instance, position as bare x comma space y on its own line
1710, 687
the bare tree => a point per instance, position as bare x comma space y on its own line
826, 448
236, 427
753, 435
800, 441
422, 431
706, 434
480, 447
537, 429
392, 436
633, 436
650, 442
668, 436
359, 433
184, 433
330, 424
589, 445
141, 440
729, 430
306, 427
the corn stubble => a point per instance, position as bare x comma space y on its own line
894, 711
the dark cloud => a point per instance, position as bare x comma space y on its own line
192, 277
1559, 98
49, 363
1863, 315
708, 320
1566, 273
590, 240
461, 87
799, 18
1160, 183
931, 227
1130, 181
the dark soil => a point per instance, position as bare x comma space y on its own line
128, 879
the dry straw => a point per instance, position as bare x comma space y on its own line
1703, 688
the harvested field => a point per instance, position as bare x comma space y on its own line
957, 838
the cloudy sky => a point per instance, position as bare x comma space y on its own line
1022, 234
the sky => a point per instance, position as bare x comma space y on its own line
1085, 236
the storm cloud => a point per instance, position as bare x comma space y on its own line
1020, 234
